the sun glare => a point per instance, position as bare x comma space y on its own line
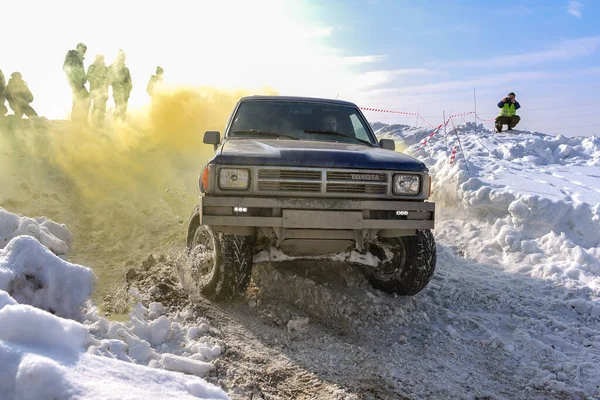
262, 43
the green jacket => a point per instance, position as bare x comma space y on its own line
508, 109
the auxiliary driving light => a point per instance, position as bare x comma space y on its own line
240, 209
401, 213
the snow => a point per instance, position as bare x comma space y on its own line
44, 356
368, 259
528, 199
53, 344
52, 235
516, 291
518, 234
187, 365
33, 275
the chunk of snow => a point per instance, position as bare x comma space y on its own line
172, 362
34, 275
160, 330
52, 235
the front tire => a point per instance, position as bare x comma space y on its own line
411, 267
221, 264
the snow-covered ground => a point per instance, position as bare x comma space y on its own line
53, 344
519, 220
513, 310
527, 201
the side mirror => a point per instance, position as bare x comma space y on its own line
387, 144
212, 137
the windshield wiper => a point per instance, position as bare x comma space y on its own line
338, 134
263, 133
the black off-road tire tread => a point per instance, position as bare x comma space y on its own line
418, 269
233, 266
236, 266
422, 269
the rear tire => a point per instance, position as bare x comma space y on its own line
221, 263
411, 267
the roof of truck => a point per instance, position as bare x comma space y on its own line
300, 99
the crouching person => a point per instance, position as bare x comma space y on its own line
19, 96
508, 114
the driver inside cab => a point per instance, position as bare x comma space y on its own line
329, 123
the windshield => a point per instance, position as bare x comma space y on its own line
300, 120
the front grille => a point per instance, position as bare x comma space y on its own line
289, 174
275, 186
356, 176
356, 188
322, 182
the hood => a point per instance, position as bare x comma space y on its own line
16, 82
316, 154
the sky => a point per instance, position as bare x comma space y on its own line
425, 57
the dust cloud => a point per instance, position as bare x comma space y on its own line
125, 190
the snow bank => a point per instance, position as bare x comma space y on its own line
52, 235
33, 275
531, 199
45, 355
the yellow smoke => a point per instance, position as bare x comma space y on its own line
124, 191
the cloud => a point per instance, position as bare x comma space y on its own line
372, 79
575, 8
468, 84
367, 59
457, 94
564, 50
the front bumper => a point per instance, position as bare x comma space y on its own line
316, 213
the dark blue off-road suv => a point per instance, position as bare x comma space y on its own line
308, 178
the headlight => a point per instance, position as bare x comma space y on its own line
234, 179
407, 184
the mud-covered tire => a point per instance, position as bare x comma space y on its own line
411, 267
227, 272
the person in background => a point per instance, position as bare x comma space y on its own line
155, 80
19, 96
3, 109
120, 80
508, 114
98, 77
73, 67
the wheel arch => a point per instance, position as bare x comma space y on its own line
193, 225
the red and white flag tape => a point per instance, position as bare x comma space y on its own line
430, 136
440, 127
459, 115
484, 120
453, 155
397, 112
444, 124
427, 122
387, 111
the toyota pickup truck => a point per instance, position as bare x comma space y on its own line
309, 178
